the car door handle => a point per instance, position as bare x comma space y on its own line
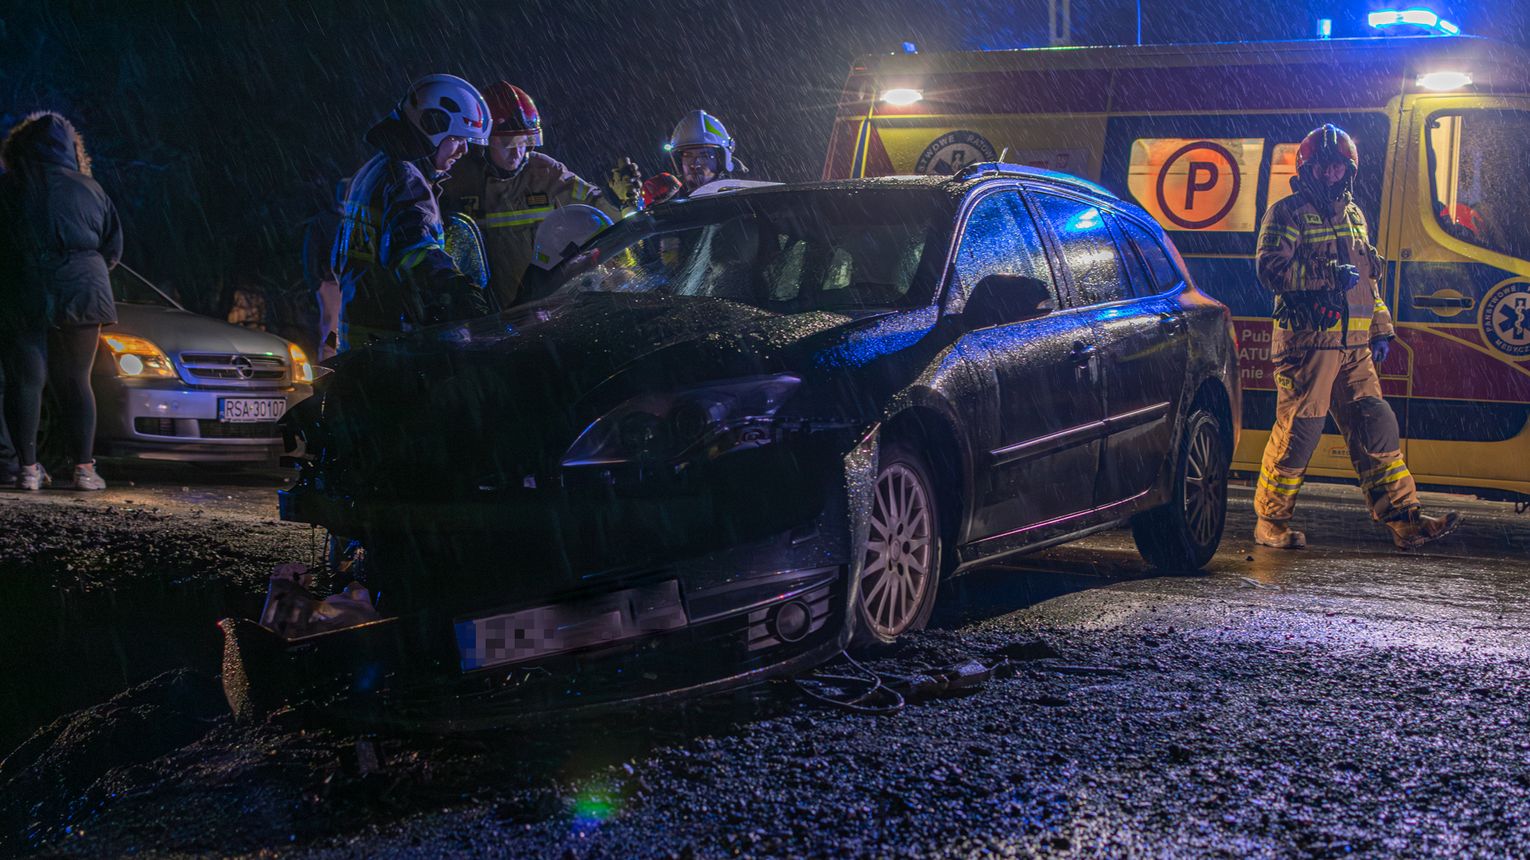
1171, 323
1083, 353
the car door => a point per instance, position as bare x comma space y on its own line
1141, 338
1040, 445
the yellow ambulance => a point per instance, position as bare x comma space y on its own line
1204, 137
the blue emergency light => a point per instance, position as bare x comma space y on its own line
1418, 17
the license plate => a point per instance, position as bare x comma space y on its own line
543, 631
248, 410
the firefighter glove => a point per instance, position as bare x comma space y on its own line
1345, 278
1379, 349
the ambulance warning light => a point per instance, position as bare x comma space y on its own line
902, 96
1412, 18
1441, 82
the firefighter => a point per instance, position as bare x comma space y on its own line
1331, 330
508, 188
701, 151
389, 258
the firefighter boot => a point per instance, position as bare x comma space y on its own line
1415, 528
1278, 534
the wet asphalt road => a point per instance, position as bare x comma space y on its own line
1346, 699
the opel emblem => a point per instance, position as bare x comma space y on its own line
243, 367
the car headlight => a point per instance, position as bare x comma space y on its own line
137, 356
708, 420
302, 370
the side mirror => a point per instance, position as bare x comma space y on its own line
1001, 299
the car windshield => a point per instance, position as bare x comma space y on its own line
788, 251
130, 290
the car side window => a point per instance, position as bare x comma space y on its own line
1165, 276
1141, 282
1087, 248
1001, 239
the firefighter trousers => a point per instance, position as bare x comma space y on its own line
1309, 385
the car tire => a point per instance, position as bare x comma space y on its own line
901, 559
1184, 533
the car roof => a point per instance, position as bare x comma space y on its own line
959, 184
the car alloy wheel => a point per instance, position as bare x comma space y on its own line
1205, 484
900, 552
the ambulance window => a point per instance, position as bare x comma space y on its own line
1282, 171
1480, 177
1000, 239
1165, 276
1088, 249
1197, 184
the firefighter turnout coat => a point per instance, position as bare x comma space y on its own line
389, 254
509, 208
1299, 244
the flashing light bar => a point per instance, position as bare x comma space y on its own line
1425, 18
1325, 28
902, 97
1440, 82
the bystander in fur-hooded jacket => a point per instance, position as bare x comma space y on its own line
59, 233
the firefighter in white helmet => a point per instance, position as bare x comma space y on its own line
701, 151
508, 188
388, 256
560, 235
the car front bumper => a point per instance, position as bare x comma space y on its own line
169, 420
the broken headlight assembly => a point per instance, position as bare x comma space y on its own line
705, 420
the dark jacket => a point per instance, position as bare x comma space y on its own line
389, 253
59, 233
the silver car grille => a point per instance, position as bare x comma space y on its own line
238, 369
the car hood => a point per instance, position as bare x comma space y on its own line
509, 393
176, 331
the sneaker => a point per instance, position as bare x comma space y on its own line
1278, 535
86, 478
1414, 528
33, 477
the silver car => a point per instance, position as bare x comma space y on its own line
174, 385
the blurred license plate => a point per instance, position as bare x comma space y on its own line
245, 410
527, 634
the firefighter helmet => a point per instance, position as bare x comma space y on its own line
515, 114
657, 189
564, 232
699, 128
442, 106
1328, 144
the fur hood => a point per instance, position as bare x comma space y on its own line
44, 137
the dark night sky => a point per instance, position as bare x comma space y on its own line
212, 121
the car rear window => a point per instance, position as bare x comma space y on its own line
1088, 249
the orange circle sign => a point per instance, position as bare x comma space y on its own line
1212, 182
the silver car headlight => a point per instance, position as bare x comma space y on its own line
705, 420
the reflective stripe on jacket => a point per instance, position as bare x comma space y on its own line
1299, 246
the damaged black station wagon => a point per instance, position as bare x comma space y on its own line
747, 430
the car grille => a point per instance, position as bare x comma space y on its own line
234, 367
206, 428
211, 429
155, 426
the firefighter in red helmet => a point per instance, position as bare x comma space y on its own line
1331, 330
508, 188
